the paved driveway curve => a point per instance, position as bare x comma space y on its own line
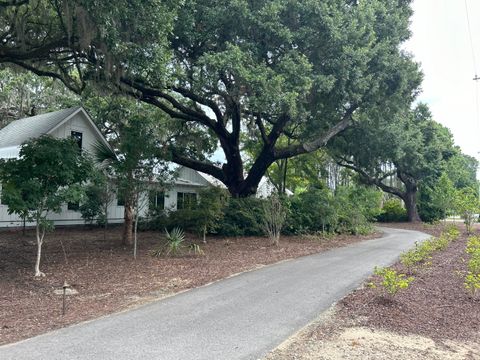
242, 317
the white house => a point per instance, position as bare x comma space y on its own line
76, 123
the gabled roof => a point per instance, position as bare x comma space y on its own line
19, 131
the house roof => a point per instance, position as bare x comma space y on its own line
19, 131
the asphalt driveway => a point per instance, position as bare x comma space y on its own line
242, 317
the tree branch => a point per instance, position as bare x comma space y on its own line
205, 167
207, 102
369, 180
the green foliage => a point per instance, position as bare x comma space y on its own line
391, 281
204, 217
210, 209
48, 173
243, 217
398, 156
174, 243
472, 279
473, 245
311, 211
392, 211
418, 255
349, 210
468, 206
356, 207
443, 196
25, 94
472, 282
281, 69
422, 252
92, 206
452, 231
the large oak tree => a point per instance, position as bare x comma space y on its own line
226, 70
411, 148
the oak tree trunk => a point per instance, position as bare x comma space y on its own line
410, 200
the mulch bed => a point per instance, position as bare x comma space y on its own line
435, 305
107, 277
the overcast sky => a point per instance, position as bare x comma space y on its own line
440, 42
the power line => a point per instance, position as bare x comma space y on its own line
471, 41
476, 78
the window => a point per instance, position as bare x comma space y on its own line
120, 199
78, 137
186, 200
157, 200
73, 206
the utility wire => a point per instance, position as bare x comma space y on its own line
476, 78
471, 40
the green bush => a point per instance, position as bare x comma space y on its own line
472, 282
422, 253
393, 211
418, 255
391, 281
243, 217
427, 209
472, 279
452, 231
311, 211
356, 207
349, 210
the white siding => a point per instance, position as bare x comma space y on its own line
78, 123
192, 176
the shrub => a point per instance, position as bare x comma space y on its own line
452, 231
356, 206
473, 245
391, 281
472, 282
472, 279
420, 255
393, 211
274, 218
349, 210
467, 205
174, 243
243, 217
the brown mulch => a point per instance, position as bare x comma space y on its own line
435, 305
107, 277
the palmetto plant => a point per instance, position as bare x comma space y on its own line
174, 244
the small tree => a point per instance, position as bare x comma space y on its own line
443, 195
274, 219
48, 173
211, 209
467, 205
135, 166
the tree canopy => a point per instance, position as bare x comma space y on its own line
226, 70
413, 149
